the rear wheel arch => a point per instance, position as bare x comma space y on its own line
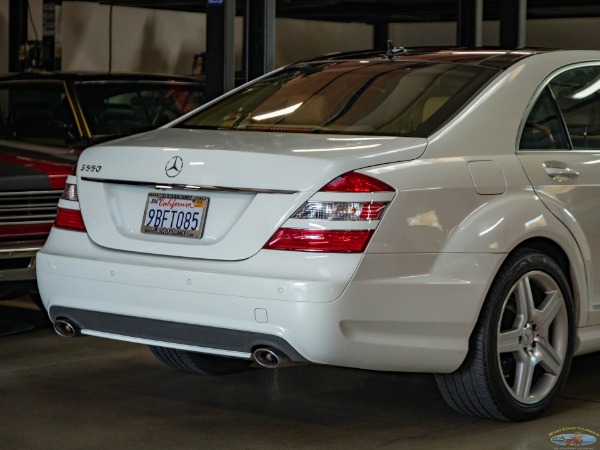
525, 327
566, 262
553, 250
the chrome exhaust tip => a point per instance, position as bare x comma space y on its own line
66, 328
269, 357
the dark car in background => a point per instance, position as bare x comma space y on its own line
46, 120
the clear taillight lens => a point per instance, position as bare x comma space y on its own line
309, 229
70, 193
69, 218
340, 211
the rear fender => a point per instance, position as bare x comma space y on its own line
491, 229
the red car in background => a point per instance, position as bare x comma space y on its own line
46, 121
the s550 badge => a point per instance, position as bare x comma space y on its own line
89, 168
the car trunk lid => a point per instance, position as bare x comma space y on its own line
243, 185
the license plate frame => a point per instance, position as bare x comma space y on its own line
176, 215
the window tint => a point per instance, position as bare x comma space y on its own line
577, 94
36, 112
123, 107
543, 129
406, 98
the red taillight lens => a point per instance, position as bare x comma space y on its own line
372, 211
342, 222
351, 241
69, 219
356, 182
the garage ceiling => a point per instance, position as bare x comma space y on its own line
372, 11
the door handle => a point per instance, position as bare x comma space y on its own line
560, 171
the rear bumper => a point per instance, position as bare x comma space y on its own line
233, 343
397, 312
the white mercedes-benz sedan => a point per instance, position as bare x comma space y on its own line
419, 211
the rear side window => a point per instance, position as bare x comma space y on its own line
577, 94
567, 113
544, 128
405, 98
36, 112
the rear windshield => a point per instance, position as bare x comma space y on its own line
349, 97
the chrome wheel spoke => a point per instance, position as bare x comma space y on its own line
547, 313
532, 337
524, 298
548, 358
509, 341
524, 374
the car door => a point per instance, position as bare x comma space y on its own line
560, 151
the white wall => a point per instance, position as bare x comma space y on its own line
299, 39
437, 34
425, 34
85, 36
581, 33
143, 40
165, 41
32, 28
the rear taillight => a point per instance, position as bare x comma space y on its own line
356, 182
352, 241
69, 219
341, 217
70, 193
340, 210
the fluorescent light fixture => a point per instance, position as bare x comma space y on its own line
279, 112
586, 92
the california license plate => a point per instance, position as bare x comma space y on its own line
174, 215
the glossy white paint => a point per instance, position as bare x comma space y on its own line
308, 300
464, 200
576, 203
238, 223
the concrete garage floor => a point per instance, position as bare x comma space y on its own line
89, 393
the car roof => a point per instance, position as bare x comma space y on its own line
97, 76
487, 57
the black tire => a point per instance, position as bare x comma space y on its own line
199, 362
521, 348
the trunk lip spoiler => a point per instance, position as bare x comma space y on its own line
189, 187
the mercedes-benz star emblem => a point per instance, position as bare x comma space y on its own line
174, 166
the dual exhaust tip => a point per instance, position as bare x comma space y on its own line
267, 357
66, 328
270, 357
